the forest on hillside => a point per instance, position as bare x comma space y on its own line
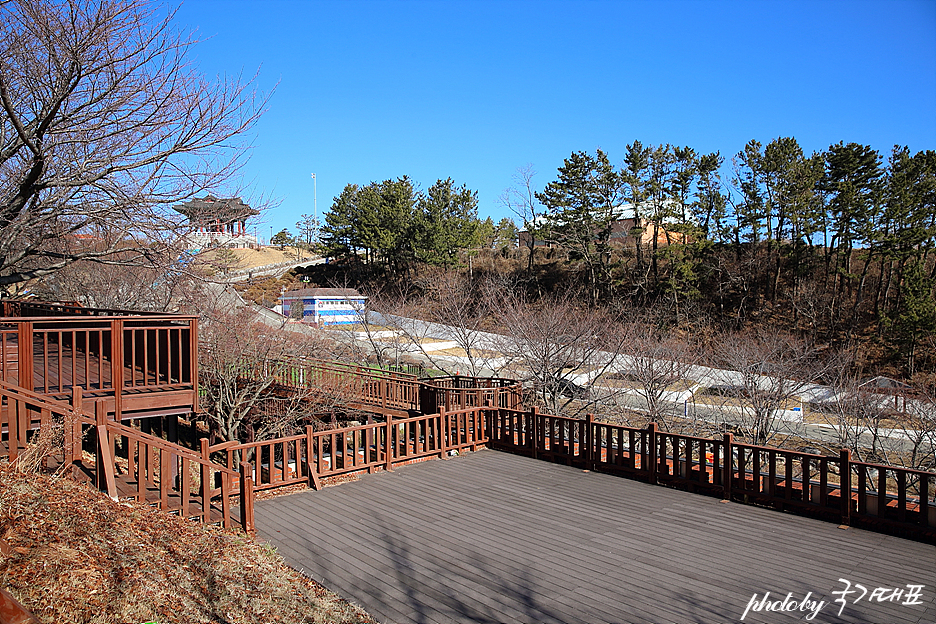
835, 247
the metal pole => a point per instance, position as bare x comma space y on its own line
315, 205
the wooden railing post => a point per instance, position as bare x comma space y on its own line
193, 361
13, 436
247, 498
481, 417
117, 366
534, 430
389, 446
225, 501
444, 431
73, 437
727, 465
68, 437
105, 454
205, 479
589, 452
25, 420
845, 485
311, 465
24, 354
652, 455
924, 499
77, 398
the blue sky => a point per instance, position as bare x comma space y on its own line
370, 90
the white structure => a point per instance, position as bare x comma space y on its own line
324, 306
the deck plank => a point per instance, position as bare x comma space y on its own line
494, 537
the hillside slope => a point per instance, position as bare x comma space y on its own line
77, 556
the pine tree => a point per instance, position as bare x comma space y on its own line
581, 207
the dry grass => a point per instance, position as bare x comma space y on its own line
78, 556
251, 258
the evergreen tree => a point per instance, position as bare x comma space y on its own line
339, 234
682, 231
282, 238
447, 220
581, 206
916, 317
710, 207
486, 233
395, 206
852, 182
635, 183
505, 234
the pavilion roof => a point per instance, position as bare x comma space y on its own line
209, 209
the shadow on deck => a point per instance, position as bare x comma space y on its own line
495, 537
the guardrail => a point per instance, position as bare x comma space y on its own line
150, 465
122, 357
380, 389
834, 488
313, 455
390, 390
27, 308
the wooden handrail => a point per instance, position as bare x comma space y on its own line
165, 445
12, 612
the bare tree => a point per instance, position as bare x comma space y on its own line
377, 337
158, 287
461, 309
441, 321
765, 372
919, 425
104, 123
657, 363
875, 427
559, 346
252, 378
856, 418
521, 200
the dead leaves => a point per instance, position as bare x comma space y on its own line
74, 555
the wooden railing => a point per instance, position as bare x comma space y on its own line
458, 392
387, 390
466, 413
58, 308
381, 389
835, 488
308, 457
21, 412
157, 471
121, 357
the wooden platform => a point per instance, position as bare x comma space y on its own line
143, 392
494, 537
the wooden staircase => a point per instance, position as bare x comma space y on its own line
123, 461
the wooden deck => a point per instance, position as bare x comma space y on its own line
133, 388
495, 537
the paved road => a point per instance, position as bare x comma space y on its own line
786, 424
896, 441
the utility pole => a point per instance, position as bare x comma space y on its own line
315, 205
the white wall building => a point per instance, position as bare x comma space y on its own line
324, 306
